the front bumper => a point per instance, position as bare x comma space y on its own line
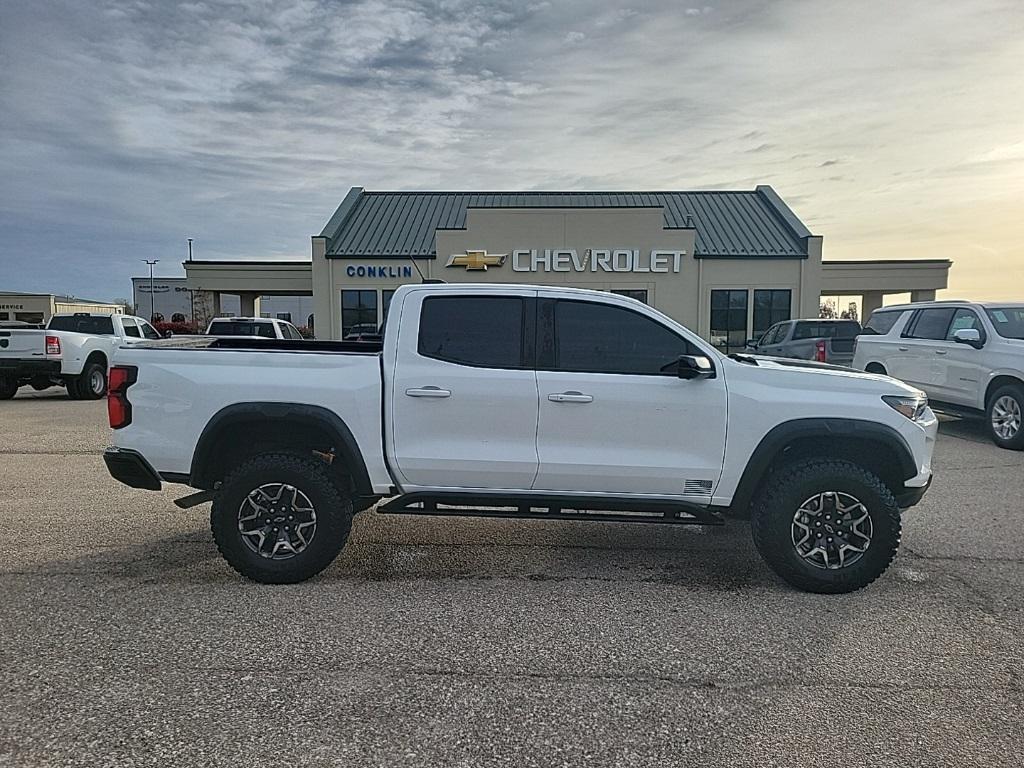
131, 468
26, 368
911, 496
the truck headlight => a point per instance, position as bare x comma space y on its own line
911, 406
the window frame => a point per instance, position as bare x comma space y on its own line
527, 340
747, 319
359, 308
771, 309
546, 354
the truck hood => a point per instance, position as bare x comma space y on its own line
826, 375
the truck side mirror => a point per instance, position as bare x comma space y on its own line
168, 334
971, 336
694, 367
752, 343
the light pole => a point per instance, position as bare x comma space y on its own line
152, 296
191, 293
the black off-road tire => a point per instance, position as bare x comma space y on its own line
1015, 392
781, 497
8, 387
332, 503
84, 385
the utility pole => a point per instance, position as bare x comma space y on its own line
152, 295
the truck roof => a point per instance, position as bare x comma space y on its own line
951, 303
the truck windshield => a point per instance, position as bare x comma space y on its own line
101, 325
1008, 321
242, 328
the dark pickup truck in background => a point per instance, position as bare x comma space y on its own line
824, 340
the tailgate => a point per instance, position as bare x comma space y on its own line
29, 344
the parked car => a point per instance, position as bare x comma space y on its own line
518, 401
824, 340
74, 351
968, 356
253, 327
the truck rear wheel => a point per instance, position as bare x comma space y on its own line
1006, 417
8, 387
280, 518
826, 525
92, 384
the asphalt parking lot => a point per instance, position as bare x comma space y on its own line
126, 640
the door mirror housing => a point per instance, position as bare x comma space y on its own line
694, 367
168, 334
752, 343
971, 336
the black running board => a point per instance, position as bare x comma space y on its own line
553, 507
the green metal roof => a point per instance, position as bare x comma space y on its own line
743, 224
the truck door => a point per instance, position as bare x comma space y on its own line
463, 395
610, 420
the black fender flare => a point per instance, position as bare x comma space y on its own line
781, 435
345, 442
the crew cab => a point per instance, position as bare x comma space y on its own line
74, 351
826, 340
261, 327
522, 401
967, 356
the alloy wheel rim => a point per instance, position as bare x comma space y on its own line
277, 521
831, 530
96, 382
1006, 417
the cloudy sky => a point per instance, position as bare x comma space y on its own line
896, 130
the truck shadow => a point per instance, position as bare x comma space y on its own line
386, 548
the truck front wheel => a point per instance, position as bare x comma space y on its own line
826, 525
280, 518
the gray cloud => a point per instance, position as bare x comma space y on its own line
129, 126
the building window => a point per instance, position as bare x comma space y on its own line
770, 306
729, 320
358, 313
640, 294
385, 304
286, 316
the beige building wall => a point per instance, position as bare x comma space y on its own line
40, 307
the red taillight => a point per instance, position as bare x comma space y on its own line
819, 350
119, 410
52, 345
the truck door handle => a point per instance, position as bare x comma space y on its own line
428, 392
941, 351
902, 349
572, 396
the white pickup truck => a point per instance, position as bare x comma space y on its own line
74, 350
522, 401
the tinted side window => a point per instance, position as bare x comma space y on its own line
807, 331
965, 318
931, 323
130, 328
486, 331
148, 330
598, 338
881, 322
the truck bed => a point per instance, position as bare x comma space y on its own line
187, 382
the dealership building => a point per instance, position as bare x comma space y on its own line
725, 264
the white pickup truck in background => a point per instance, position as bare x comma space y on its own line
528, 402
74, 350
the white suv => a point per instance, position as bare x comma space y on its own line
968, 357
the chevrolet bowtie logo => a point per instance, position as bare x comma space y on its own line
477, 260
